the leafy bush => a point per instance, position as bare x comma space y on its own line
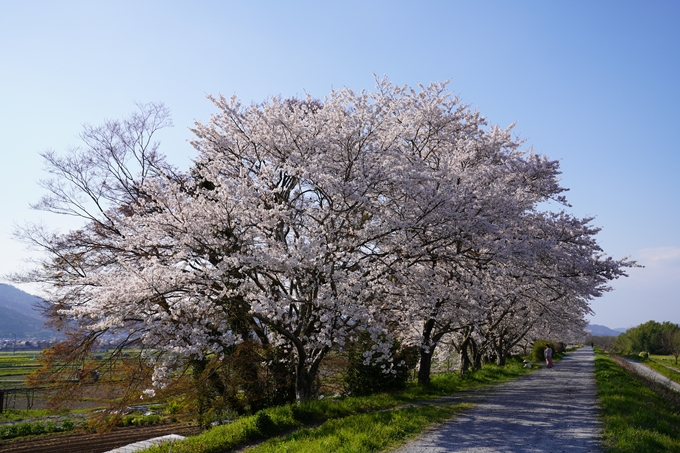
539, 347
264, 424
8, 432
303, 412
643, 355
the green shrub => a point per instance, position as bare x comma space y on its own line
264, 424
643, 355
140, 420
303, 413
539, 347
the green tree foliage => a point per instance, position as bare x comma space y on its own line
652, 337
539, 347
671, 342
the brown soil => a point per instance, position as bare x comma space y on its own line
93, 443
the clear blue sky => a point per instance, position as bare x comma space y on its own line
593, 84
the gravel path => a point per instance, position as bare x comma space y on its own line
551, 410
653, 375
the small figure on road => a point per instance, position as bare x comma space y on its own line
548, 356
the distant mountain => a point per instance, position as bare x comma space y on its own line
603, 331
20, 316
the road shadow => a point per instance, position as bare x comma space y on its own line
551, 410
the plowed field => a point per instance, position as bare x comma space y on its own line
93, 443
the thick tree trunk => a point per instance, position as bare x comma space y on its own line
305, 377
303, 384
501, 359
501, 355
464, 358
476, 356
305, 372
426, 353
425, 366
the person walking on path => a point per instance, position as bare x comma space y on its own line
521, 416
548, 356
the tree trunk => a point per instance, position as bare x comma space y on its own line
425, 366
305, 377
501, 359
464, 358
476, 356
426, 353
303, 384
501, 356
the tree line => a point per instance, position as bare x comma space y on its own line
651, 337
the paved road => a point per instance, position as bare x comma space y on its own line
551, 410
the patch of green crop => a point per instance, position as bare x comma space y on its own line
24, 429
15, 415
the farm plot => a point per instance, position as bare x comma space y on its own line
15, 367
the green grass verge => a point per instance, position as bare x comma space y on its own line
636, 418
658, 365
361, 433
286, 419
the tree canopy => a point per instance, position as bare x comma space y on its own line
652, 337
398, 213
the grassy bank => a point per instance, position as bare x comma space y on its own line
638, 416
658, 363
361, 433
315, 425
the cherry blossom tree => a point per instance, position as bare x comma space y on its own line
302, 222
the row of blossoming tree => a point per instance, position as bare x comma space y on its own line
399, 214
